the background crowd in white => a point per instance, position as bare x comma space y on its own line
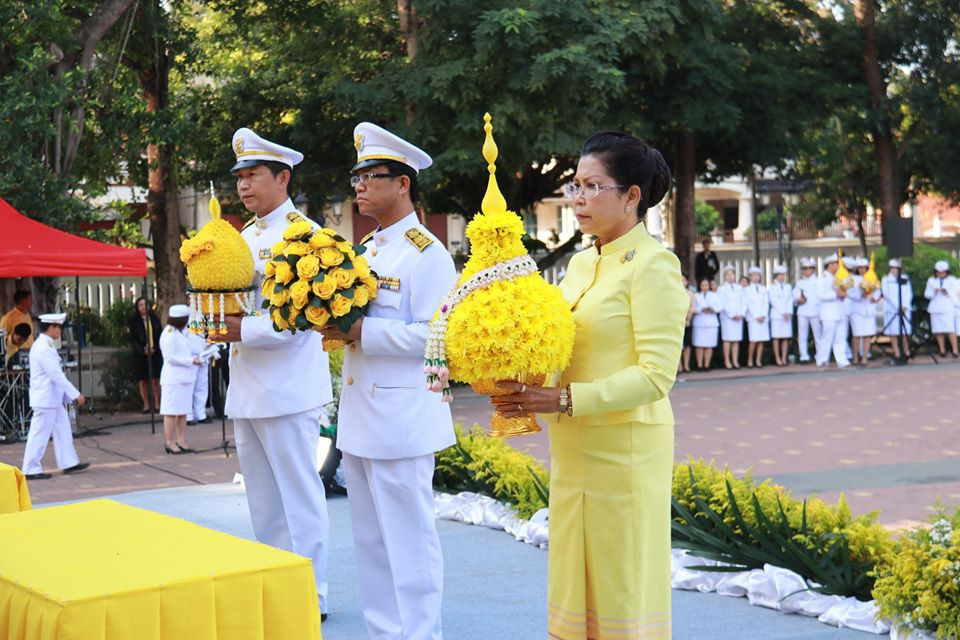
842, 319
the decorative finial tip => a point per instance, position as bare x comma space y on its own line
214, 207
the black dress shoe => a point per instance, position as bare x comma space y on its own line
209, 420
169, 450
184, 449
190, 423
77, 467
38, 476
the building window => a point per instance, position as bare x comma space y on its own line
530, 223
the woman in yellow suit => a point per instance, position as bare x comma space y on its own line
610, 421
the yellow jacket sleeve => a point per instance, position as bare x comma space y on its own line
658, 308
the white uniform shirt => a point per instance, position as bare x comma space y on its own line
781, 299
385, 410
809, 288
274, 373
891, 298
758, 303
940, 302
732, 300
708, 300
49, 387
178, 364
831, 307
861, 303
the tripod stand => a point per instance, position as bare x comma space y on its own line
908, 331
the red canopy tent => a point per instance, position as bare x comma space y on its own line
30, 248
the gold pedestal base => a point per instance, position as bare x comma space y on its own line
503, 427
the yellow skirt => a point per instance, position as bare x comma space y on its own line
609, 566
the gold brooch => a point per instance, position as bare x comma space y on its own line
238, 145
628, 256
358, 141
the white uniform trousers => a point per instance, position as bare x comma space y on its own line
833, 338
200, 388
399, 561
47, 422
285, 494
806, 324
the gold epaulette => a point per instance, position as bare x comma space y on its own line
419, 239
249, 222
367, 237
294, 216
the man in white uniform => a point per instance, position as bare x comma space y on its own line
49, 392
831, 297
808, 308
279, 382
201, 382
390, 425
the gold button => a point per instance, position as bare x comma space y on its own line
353, 347
373, 251
349, 380
380, 239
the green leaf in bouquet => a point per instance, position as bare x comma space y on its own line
346, 264
347, 293
346, 321
315, 301
359, 249
265, 304
339, 238
320, 277
302, 322
277, 288
292, 261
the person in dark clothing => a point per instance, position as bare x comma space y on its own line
144, 337
706, 264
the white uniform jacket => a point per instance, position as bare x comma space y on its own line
49, 387
809, 288
758, 303
386, 411
940, 302
178, 367
831, 306
781, 299
708, 300
274, 373
732, 300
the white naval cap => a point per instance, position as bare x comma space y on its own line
780, 268
807, 263
894, 263
941, 265
375, 145
831, 258
252, 150
729, 267
849, 263
754, 269
53, 318
179, 311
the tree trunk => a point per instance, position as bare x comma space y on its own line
860, 211
885, 150
684, 220
408, 24
153, 74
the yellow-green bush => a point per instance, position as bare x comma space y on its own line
919, 587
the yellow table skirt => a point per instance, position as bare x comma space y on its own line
102, 570
14, 495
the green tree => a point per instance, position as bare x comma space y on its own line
708, 218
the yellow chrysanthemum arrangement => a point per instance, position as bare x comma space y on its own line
502, 321
920, 587
316, 278
220, 272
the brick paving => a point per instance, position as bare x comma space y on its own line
888, 437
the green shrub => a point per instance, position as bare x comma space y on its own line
120, 385
115, 323
93, 326
919, 266
706, 217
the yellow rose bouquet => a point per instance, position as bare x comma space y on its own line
316, 278
502, 320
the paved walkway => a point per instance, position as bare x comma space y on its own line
889, 437
494, 586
